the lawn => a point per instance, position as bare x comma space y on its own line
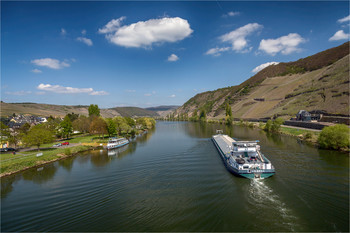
12, 163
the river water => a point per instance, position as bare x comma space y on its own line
173, 179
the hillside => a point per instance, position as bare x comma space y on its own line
318, 82
61, 110
163, 110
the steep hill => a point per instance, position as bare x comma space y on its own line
317, 82
61, 110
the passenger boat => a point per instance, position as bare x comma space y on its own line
116, 142
243, 158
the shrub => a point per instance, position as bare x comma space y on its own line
268, 126
67, 151
307, 135
334, 137
276, 124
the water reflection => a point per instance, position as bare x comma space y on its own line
40, 176
98, 158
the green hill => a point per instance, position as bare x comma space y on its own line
317, 82
61, 110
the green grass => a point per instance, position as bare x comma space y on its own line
297, 132
13, 163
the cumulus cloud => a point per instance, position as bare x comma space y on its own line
284, 44
172, 96
18, 92
85, 40
63, 32
238, 37
50, 63
340, 35
173, 57
217, 51
145, 33
263, 66
345, 19
112, 25
231, 14
69, 90
36, 71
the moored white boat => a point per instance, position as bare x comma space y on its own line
116, 142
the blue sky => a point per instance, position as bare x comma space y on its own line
153, 53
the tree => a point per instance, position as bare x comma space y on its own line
268, 126
25, 128
72, 116
4, 131
99, 126
37, 136
194, 116
276, 124
131, 122
203, 115
81, 124
111, 126
334, 137
66, 127
94, 110
228, 114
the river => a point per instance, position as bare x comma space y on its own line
173, 179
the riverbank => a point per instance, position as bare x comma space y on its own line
11, 164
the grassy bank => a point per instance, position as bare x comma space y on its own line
10, 163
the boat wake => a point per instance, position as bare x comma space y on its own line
263, 200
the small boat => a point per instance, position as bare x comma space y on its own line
243, 158
116, 142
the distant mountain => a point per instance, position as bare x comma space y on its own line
163, 110
134, 111
317, 82
61, 110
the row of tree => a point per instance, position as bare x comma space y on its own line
58, 128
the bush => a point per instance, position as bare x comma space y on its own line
308, 135
268, 126
334, 137
67, 151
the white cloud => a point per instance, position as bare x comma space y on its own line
172, 96
263, 66
284, 44
147, 94
112, 26
238, 37
173, 57
18, 92
85, 40
130, 91
83, 32
345, 19
217, 51
340, 35
145, 33
63, 32
50, 63
36, 71
99, 93
231, 14
69, 90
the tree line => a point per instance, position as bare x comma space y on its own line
56, 128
